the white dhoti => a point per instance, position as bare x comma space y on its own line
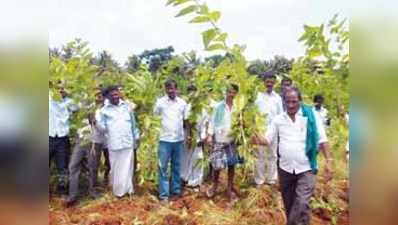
266, 165
191, 168
121, 174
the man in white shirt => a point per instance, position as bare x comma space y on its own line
117, 120
192, 168
299, 135
321, 111
174, 112
59, 145
224, 153
270, 105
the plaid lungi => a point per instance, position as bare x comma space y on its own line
223, 155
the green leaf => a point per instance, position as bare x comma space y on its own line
222, 37
170, 1
239, 102
200, 19
217, 46
208, 36
204, 9
215, 15
187, 10
179, 2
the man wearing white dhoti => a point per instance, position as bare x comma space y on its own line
270, 105
191, 167
117, 120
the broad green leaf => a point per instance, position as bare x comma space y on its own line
187, 10
208, 36
200, 19
222, 37
215, 47
204, 9
239, 102
179, 2
215, 16
170, 1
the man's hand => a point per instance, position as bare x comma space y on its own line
189, 142
91, 118
209, 141
328, 170
137, 144
324, 147
257, 140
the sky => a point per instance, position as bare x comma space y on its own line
126, 27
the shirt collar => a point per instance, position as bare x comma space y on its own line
298, 113
171, 100
108, 103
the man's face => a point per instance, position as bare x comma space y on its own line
171, 91
62, 92
318, 103
292, 102
99, 98
114, 97
286, 84
231, 93
269, 83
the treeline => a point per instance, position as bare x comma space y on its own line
157, 58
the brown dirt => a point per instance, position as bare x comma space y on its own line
192, 209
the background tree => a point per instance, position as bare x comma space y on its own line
132, 64
105, 61
157, 57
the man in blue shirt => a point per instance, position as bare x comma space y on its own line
116, 119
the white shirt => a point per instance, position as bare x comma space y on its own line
59, 114
322, 114
269, 104
97, 135
172, 113
292, 141
117, 123
222, 132
201, 125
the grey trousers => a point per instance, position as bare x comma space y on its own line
78, 155
297, 190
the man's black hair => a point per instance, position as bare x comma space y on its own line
318, 98
170, 82
295, 89
269, 75
286, 79
234, 86
109, 89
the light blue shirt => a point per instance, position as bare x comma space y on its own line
118, 124
59, 115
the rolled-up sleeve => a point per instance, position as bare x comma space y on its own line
100, 118
187, 110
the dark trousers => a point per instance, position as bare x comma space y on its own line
100, 150
59, 148
297, 190
93, 158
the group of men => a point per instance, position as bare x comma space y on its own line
286, 152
